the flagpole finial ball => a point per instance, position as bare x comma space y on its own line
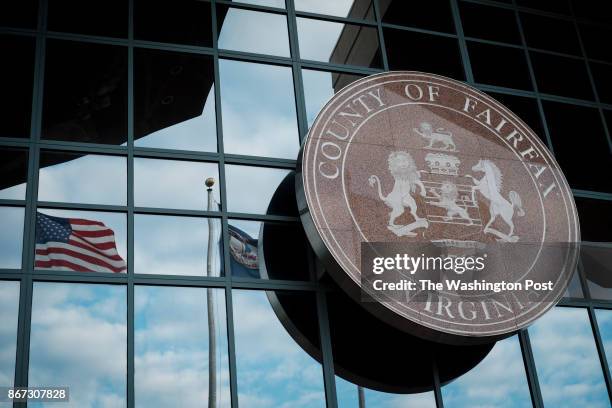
210, 182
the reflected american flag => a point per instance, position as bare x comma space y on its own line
76, 244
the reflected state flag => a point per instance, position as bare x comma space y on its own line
243, 254
76, 244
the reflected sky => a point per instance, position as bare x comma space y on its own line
253, 31
78, 339
498, 381
258, 108
9, 309
347, 394
173, 183
566, 359
317, 38
174, 245
171, 347
11, 237
271, 3
115, 221
272, 370
249, 189
604, 320
89, 179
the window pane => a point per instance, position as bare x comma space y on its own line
85, 96
16, 79
557, 6
252, 31
272, 369
559, 35
361, 9
320, 86
183, 22
498, 381
338, 43
585, 163
428, 48
282, 244
82, 178
171, 347
432, 15
604, 321
9, 310
489, 23
66, 242
174, 101
485, 58
258, 107
173, 184
78, 339
574, 289
568, 368
176, 245
552, 71
14, 171
249, 189
603, 83
596, 259
349, 394
591, 36
595, 219
11, 237
22, 13
269, 3
108, 17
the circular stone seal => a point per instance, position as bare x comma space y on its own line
412, 167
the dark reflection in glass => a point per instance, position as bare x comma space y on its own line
14, 171
602, 74
173, 184
428, 53
183, 22
171, 347
22, 13
585, 163
114, 257
526, 109
11, 237
489, 23
249, 189
252, 31
594, 47
595, 219
272, 369
498, 381
320, 86
267, 250
9, 311
85, 97
358, 9
107, 18
258, 106
432, 15
171, 245
550, 33
596, 260
16, 78
174, 101
82, 178
569, 370
349, 396
552, 73
338, 43
604, 321
485, 60
591, 10
78, 338
557, 6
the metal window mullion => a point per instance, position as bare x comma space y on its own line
381, 36
467, 66
600, 350
530, 369
296, 68
437, 386
327, 359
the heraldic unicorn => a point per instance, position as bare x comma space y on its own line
442, 188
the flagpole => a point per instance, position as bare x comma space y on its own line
212, 340
361, 395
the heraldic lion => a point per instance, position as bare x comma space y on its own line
406, 179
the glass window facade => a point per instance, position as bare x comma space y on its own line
119, 112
